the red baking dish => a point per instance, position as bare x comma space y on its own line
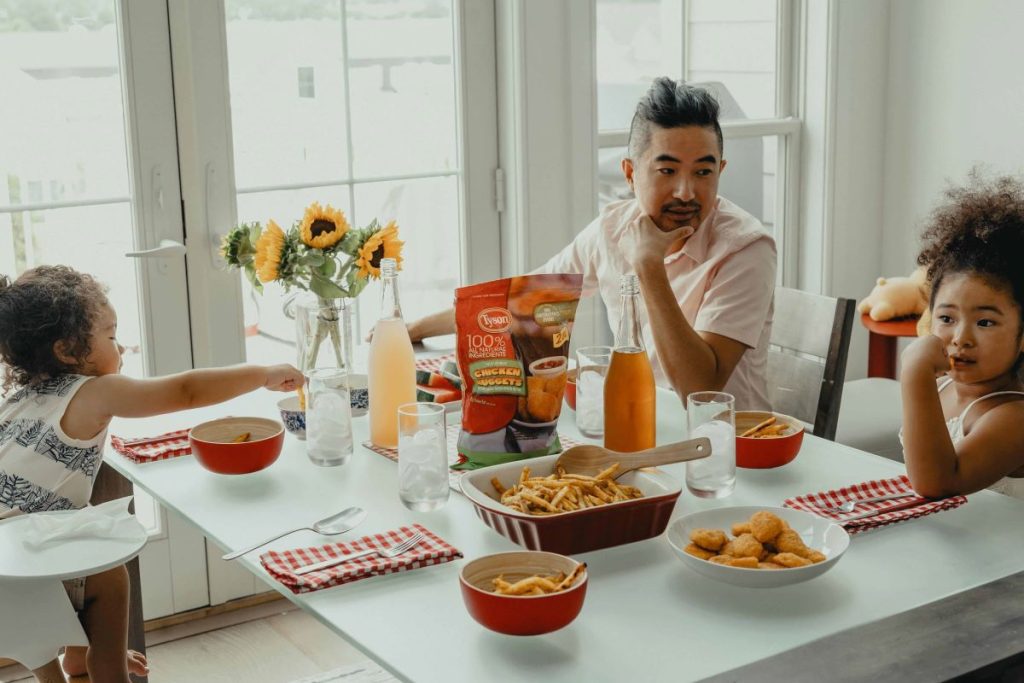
578, 531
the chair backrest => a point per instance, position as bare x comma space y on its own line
807, 357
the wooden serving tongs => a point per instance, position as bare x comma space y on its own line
591, 460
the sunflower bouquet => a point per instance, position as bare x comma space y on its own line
322, 254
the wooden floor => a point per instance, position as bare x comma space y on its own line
274, 646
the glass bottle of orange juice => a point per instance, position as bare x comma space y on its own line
629, 410
392, 366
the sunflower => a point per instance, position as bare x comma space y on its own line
382, 244
269, 248
322, 228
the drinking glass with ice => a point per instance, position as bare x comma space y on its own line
328, 417
422, 456
712, 414
592, 366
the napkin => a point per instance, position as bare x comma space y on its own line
889, 511
110, 520
431, 550
436, 380
150, 449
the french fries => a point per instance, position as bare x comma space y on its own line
769, 429
538, 584
560, 492
241, 438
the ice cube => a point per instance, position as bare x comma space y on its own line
427, 438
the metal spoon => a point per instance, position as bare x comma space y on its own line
339, 523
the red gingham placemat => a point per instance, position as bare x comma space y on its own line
162, 447
433, 364
452, 440
431, 550
905, 508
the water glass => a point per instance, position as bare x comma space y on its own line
712, 414
422, 456
591, 368
328, 417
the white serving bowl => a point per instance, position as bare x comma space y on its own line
820, 534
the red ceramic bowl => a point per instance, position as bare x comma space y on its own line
570, 389
766, 452
213, 444
517, 615
578, 531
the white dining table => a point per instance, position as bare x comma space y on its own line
646, 617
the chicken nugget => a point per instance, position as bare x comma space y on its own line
765, 526
534, 385
789, 541
815, 556
747, 546
721, 559
744, 562
697, 551
709, 539
769, 565
556, 385
791, 560
768, 556
542, 406
728, 549
740, 528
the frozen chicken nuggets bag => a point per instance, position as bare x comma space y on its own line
513, 353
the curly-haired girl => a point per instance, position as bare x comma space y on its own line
964, 433
58, 343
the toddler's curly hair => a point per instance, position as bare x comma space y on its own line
978, 230
46, 305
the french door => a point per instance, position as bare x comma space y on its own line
89, 174
383, 110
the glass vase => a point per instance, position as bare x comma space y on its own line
323, 332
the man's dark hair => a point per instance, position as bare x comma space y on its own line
672, 104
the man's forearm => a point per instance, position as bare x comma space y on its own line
434, 325
689, 362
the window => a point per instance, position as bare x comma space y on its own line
738, 50
378, 140
307, 84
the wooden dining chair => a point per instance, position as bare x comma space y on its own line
807, 357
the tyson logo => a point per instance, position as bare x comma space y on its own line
494, 320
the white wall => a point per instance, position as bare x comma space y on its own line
955, 98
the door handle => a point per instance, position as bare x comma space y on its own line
166, 249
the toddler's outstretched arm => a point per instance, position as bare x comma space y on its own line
105, 397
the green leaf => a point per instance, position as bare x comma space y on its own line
325, 288
250, 273
312, 258
329, 267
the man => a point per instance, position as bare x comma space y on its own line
706, 266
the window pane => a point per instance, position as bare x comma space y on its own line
280, 133
729, 43
637, 41
733, 43
427, 212
402, 86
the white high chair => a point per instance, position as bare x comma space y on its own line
37, 615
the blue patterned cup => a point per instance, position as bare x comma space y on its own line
360, 394
293, 417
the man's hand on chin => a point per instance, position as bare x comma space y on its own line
644, 244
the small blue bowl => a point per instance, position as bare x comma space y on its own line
293, 417
360, 394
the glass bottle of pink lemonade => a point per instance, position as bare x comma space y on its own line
392, 367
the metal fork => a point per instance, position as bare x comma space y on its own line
851, 505
394, 551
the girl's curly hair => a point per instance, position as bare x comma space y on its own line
979, 230
46, 305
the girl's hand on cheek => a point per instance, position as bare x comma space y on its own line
926, 354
